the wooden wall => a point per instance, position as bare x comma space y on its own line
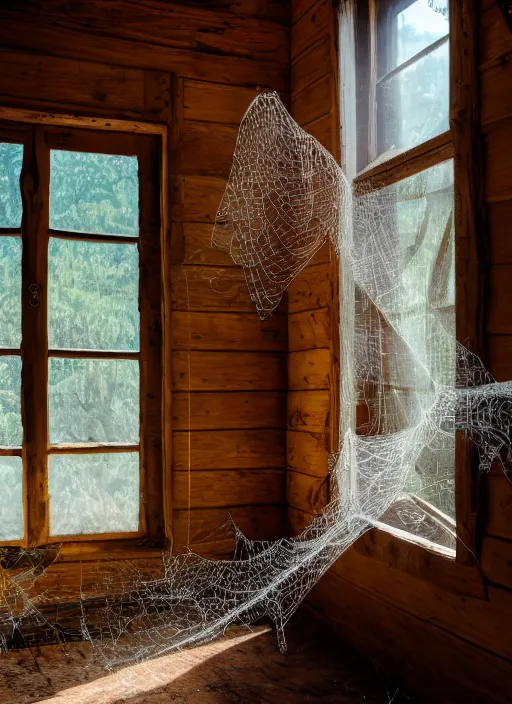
442, 631
312, 295
193, 66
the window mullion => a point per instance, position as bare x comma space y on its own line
34, 346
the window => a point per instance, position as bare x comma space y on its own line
81, 338
396, 111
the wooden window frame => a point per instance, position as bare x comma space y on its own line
39, 133
357, 22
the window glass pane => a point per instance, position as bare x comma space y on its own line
11, 432
418, 26
94, 400
413, 105
93, 293
11, 156
96, 493
10, 292
413, 347
96, 193
11, 498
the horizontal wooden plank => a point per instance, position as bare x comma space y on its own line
310, 369
236, 487
275, 10
199, 64
323, 130
306, 493
206, 149
312, 65
499, 217
228, 371
229, 449
313, 102
191, 243
298, 521
228, 410
66, 582
166, 24
499, 318
206, 531
308, 411
314, 24
499, 356
197, 198
498, 156
299, 8
496, 560
51, 80
311, 289
209, 288
440, 666
213, 102
495, 96
499, 507
309, 330
228, 331
307, 453
495, 38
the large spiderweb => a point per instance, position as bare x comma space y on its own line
400, 364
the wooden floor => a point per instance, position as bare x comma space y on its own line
244, 666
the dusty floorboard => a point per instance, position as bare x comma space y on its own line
244, 666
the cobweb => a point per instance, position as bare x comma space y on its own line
407, 386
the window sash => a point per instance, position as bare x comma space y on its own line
35, 233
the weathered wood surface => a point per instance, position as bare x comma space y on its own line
209, 530
229, 410
399, 637
309, 370
228, 371
228, 331
194, 42
308, 411
235, 487
306, 452
306, 493
309, 330
228, 449
311, 289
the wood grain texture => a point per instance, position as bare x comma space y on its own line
306, 453
309, 330
229, 410
311, 289
213, 102
310, 27
206, 149
313, 64
236, 487
499, 507
499, 356
430, 649
313, 102
228, 371
208, 530
498, 153
192, 244
496, 560
499, 217
499, 316
306, 493
196, 198
229, 449
308, 411
228, 331
196, 288
308, 370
